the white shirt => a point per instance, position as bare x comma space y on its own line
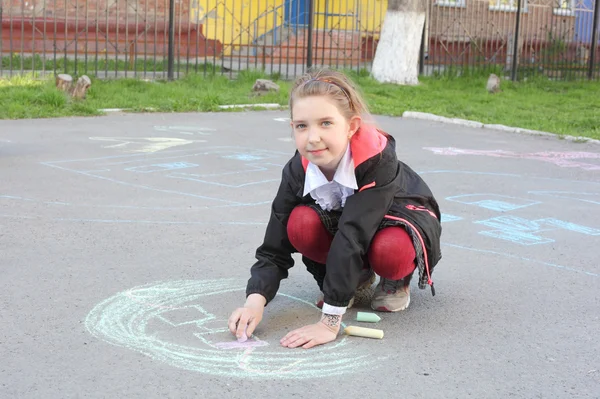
332, 195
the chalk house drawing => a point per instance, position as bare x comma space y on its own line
170, 322
205, 166
563, 159
527, 232
494, 202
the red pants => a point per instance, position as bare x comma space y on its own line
391, 254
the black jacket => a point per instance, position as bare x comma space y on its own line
387, 188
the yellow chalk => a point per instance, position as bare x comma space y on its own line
364, 332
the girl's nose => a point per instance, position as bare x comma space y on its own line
313, 136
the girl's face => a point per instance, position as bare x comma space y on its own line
321, 132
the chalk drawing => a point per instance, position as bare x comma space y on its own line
495, 202
192, 177
111, 166
186, 209
447, 218
171, 322
521, 258
136, 221
286, 139
243, 157
160, 167
562, 159
145, 144
188, 130
526, 232
590, 198
281, 119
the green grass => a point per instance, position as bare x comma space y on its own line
564, 108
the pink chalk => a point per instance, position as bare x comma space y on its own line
241, 345
243, 338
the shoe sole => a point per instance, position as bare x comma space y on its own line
385, 309
364, 285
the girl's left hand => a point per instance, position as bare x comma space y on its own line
311, 335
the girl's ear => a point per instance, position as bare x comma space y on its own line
354, 125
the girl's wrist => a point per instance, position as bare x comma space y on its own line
255, 301
332, 321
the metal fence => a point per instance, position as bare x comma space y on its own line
168, 38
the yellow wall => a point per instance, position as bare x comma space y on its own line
239, 22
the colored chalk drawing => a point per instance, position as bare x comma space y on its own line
527, 232
171, 322
204, 166
446, 218
495, 202
566, 159
590, 198
144, 144
159, 167
188, 130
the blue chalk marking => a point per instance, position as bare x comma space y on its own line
512, 223
162, 167
526, 232
16, 198
120, 221
450, 171
143, 186
518, 237
569, 226
447, 218
491, 201
243, 157
577, 196
507, 255
190, 177
468, 172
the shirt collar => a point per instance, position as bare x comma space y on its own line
344, 174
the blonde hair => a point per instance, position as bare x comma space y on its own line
336, 86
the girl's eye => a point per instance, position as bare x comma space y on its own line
300, 126
326, 123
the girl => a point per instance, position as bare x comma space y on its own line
350, 207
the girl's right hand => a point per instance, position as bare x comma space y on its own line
243, 321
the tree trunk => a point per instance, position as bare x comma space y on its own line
397, 56
64, 82
81, 88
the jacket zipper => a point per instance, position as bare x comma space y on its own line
420, 208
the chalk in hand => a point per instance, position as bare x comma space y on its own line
364, 332
244, 337
367, 317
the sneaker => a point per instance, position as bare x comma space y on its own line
390, 296
367, 279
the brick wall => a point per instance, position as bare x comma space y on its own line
71, 9
478, 22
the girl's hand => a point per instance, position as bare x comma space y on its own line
320, 333
243, 321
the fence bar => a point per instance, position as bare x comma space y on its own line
1, 40
422, 48
516, 42
594, 43
171, 50
309, 55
